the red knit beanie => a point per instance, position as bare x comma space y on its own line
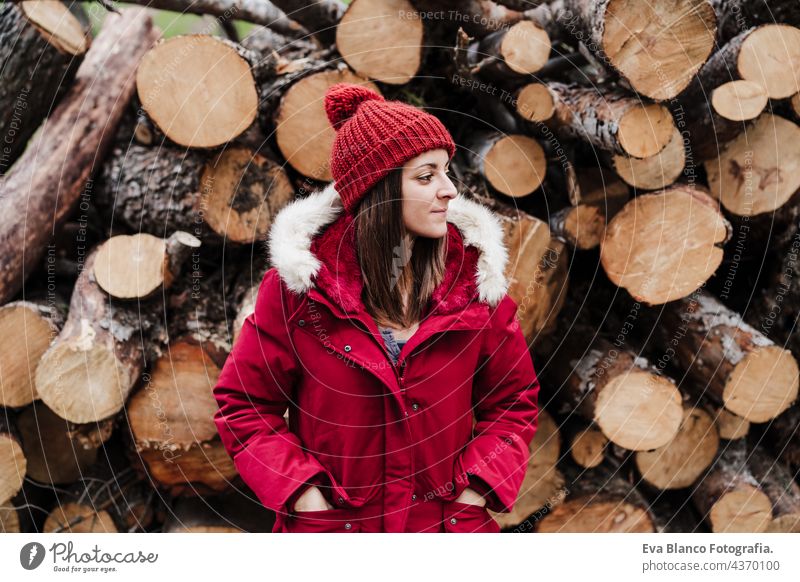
374, 136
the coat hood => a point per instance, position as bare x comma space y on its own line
312, 243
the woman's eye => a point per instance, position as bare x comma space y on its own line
426, 178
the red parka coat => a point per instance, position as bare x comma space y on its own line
390, 445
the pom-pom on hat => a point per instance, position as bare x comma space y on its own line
374, 136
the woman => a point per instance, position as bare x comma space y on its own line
383, 324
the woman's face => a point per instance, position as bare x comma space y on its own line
427, 190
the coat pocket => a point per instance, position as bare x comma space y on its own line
468, 518
336, 520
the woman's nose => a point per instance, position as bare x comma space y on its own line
449, 190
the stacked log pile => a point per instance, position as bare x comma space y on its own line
646, 183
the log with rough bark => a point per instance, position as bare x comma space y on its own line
139, 265
664, 245
784, 437
55, 171
177, 440
597, 500
727, 358
514, 165
729, 497
93, 364
319, 17
13, 462
229, 197
382, 41
52, 456
35, 324
42, 45
199, 312
657, 47
621, 392
542, 479
213, 95
734, 16
611, 120
778, 483
682, 460
255, 11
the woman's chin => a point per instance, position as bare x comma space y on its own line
432, 230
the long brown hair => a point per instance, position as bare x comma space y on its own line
394, 261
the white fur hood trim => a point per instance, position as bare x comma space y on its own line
297, 223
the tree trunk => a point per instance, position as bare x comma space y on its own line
55, 171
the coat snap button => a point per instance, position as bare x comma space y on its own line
348, 526
347, 348
453, 520
301, 322
415, 406
341, 500
414, 497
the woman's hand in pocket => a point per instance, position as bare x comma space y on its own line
471, 497
312, 499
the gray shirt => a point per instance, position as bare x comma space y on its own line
392, 344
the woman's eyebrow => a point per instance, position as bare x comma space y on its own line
431, 164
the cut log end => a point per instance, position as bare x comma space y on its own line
131, 267
587, 447
212, 96
535, 102
640, 250
742, 510
515, 165
756, 173
739, 100
731, 426
74, 517
672, 39
382, 40
76, 379
22, 321
639, 410
681, 461
770, 56
657, 171
13, 466
241, 191
646, 130
303, 132
584, 516
57, 25
763, 384
525, 47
